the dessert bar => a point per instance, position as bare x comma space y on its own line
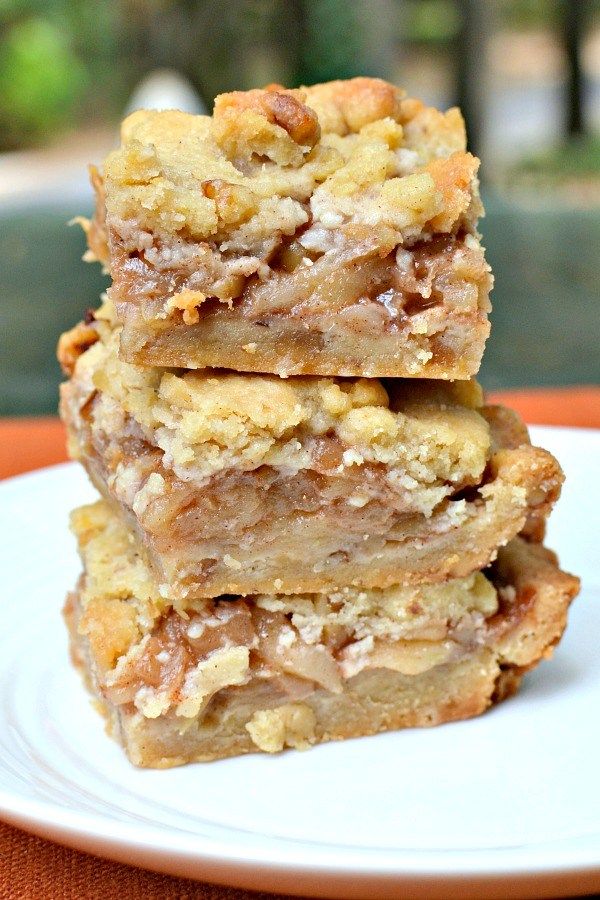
231, 675
245, 483
328, 230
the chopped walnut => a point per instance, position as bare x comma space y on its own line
298, 120
73, 343
270, 124
277, 106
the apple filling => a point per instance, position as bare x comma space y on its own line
304, 642
415, 290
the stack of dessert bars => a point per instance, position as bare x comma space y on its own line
289, 549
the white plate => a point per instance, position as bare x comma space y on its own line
506, 804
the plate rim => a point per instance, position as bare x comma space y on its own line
290, 856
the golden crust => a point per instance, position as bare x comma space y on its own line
155, 179
268, 122
344, 107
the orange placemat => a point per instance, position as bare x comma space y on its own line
34, 869
27, 444
575, 406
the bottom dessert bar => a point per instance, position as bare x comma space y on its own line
235, 675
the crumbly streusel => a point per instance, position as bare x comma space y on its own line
205, 422
369, 165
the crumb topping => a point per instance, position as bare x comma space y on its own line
347, 163
395, 613
207, 421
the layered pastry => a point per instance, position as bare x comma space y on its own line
311, 525
238, 484
329, 230
230, 675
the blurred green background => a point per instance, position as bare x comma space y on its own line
526, 73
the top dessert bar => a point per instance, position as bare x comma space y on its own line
328, 230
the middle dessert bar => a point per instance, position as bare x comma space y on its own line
245, 483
